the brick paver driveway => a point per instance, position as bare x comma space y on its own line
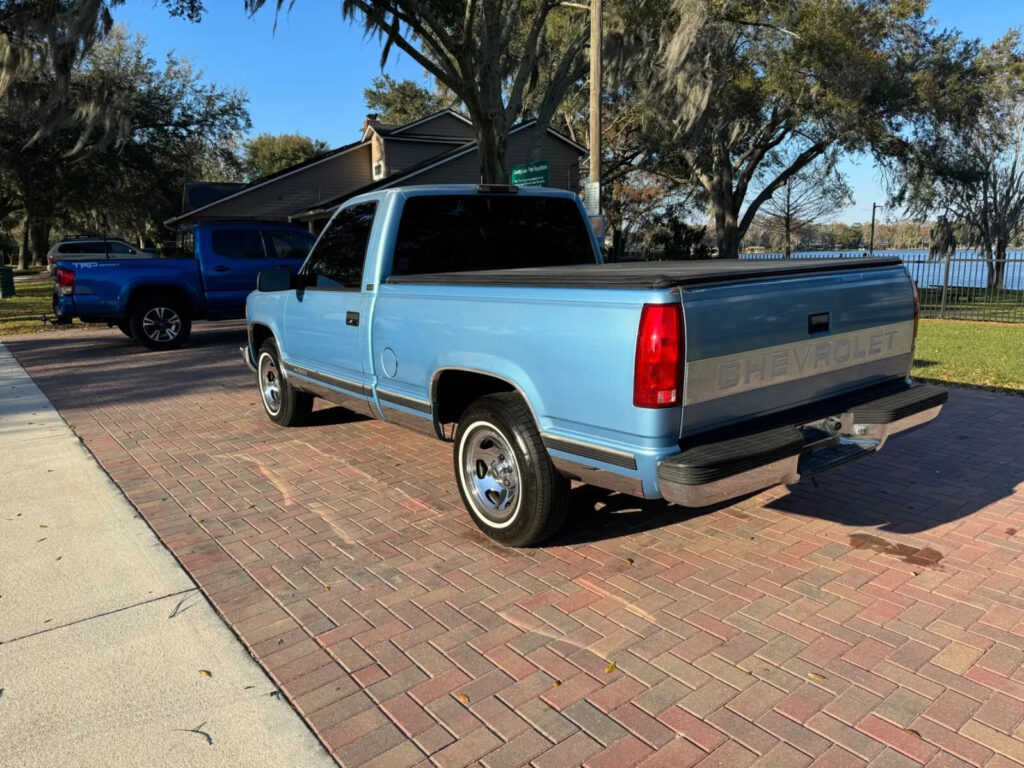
874, 618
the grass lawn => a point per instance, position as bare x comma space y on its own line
973, 353
22, 313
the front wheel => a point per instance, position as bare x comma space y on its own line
159, 323
506, 479
283, 403
125, 328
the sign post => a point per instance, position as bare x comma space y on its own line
531, 174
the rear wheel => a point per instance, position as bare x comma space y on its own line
126, 329
160, 323
506, 479
284, 404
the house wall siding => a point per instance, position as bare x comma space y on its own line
399, 155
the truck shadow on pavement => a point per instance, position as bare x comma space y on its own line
943, 472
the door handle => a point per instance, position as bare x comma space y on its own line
221, 268
351, 318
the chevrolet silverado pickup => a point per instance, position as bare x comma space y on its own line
155, 300
484, 316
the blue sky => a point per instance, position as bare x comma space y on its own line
308, 75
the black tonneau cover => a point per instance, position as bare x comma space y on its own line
647, 274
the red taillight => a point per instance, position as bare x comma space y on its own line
658, 379
65, 281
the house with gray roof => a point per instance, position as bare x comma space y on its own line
439, 149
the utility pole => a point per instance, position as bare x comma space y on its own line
871, 242
595, 106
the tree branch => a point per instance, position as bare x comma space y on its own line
800, 162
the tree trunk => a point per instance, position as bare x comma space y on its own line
727, 234
23, 253
492, 146
789, 241
999, 264
39, 232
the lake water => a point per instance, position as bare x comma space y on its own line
966, 270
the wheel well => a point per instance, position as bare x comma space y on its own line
149, 291
455, 391
260, 333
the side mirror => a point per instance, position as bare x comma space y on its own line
272, 280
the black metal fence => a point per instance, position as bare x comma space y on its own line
956, 288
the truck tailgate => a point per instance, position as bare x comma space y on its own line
756, 347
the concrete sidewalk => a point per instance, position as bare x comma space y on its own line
109, 655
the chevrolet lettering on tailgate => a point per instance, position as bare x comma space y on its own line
732, 374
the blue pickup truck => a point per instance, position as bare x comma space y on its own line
484, 316
155, 300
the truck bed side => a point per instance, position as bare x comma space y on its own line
104, 288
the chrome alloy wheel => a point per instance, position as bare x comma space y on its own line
490, 474
161, 324
270, 383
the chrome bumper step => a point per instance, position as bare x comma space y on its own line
718, 471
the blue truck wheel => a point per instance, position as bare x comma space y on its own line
284, 404
160, 323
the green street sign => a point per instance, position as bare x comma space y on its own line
531, 174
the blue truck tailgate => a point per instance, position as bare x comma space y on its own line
755, 347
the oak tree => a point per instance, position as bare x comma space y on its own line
738, 81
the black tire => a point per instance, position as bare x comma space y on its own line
160, 323
506, 479
284, 404
126, 329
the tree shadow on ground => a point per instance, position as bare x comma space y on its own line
104, 368
947, 470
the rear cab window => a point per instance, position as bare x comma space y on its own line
237, 243
464, 233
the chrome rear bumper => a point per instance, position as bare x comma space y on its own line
716, 472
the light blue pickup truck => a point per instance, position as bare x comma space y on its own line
484, 316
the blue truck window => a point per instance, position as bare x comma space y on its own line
238, 243
463, 233
337, 259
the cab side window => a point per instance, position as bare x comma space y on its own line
337, 259
238, 243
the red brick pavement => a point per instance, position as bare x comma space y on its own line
876, 617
